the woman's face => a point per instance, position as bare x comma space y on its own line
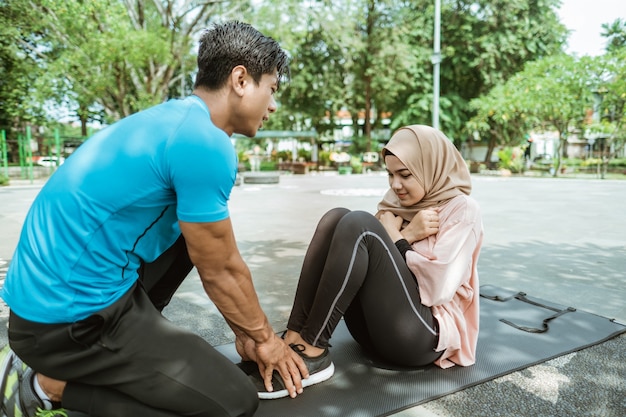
403, 183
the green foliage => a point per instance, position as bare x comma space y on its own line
590, 162
20, 64
608, 82
552, 92
556, 92
613, 164
499, 120
574, 162
511, 158
356, 164
323, 158
350, 55
3, 180
304, 155
376, 54
283, 156
617, 163
358, 146
484, 43
616, 35
118, 57
268, 166
105, 59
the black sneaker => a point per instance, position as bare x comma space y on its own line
18, 395
320, 369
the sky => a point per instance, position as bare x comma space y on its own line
585, 18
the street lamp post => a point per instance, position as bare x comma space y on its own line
436, 60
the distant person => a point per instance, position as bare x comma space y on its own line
115, 231
405, 280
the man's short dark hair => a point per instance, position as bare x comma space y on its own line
226, 45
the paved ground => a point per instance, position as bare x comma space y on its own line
562, 240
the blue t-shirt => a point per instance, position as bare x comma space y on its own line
115, 203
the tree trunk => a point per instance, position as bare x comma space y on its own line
559, 151
367, 124
490, 147
83, 125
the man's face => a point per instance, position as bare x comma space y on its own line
256, 105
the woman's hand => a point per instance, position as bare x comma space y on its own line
392, 224
425, 223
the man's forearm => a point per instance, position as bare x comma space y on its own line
234, 296
226, 278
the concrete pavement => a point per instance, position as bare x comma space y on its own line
563, 240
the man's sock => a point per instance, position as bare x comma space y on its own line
47, 402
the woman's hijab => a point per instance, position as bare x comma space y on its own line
434, 161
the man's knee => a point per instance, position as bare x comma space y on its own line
243, 402
249, 404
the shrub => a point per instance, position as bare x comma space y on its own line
511, 159
591, 162
617, 163
4, 180
573, 162
268, 166
323, 158
356, 164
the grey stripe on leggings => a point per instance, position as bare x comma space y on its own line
347, 277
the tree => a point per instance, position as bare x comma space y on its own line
367, 56
500, 119
106, 57
125, 56
616, 35
609, 87
20, 65
346, 55
319, 64
552, 92
483, 43
611, 83
20, 68
373, 56
383, 62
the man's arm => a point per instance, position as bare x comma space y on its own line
228, 283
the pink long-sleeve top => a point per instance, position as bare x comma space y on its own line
445, 265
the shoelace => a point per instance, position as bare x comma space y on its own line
298, 347
51, 413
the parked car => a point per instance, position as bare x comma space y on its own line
48, 161
371, 157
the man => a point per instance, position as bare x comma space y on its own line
113, 233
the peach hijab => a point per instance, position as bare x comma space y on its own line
436, 163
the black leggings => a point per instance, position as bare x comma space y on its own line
353, 269
130, 361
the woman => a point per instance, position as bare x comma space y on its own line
405, 280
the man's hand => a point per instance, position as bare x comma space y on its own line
227, 281
276, 355
425, 223
245, 347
